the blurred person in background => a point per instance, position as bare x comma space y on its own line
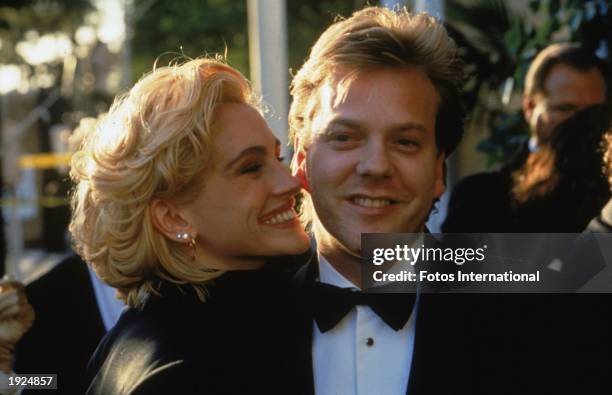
591, 261
74, 309
560, 187
16, 317
70, 289
181, 200
603, 222
561, 80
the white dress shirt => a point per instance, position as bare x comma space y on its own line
109, 306
361, 355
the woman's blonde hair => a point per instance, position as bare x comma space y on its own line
154, 143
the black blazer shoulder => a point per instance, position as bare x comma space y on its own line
229, 344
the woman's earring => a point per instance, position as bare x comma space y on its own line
192, 244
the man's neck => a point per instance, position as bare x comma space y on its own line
348, 265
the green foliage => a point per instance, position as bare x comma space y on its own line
189, 27
197, 27
307, 20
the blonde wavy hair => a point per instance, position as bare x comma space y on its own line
375, 38
154, 143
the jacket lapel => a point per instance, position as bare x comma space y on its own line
299, 349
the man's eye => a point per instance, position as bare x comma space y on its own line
251, 168
408, 144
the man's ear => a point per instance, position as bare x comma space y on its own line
439, 185
528, 105
299, 165
168, 221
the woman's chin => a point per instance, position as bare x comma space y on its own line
294, 245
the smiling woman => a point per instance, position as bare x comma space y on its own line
180, 200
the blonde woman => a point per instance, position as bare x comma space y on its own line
179, 203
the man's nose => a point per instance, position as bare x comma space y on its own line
376, 161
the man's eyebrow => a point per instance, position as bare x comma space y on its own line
258, 150
358, 126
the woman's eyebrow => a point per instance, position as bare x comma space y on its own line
258, 150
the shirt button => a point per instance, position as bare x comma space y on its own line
369, 342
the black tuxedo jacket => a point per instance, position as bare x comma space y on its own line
67, 326
441, 341
482, 344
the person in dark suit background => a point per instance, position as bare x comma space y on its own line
591, 262
603, 222
564, 176
181, 200
561, 80
73, 309
73, 312
554, 185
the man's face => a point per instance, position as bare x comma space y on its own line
566, 91
372, 164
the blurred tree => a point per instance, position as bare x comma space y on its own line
39, 52
170, 29
195, 27
307, 20
22, 18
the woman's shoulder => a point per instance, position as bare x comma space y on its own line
156, 336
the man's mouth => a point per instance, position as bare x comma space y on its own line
371, 202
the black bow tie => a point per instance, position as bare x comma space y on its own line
331, 304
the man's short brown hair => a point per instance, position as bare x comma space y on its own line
382, 38
573, 55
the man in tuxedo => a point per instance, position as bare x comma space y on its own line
561, 80
375, 113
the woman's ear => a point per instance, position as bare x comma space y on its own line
168, 221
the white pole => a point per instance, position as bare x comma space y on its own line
13, 228
392, 4
432, 7
268, 61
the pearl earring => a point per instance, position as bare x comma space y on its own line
182, 236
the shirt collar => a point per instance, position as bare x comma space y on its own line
532, 144
329, 275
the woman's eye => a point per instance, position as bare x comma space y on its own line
280, 158
251, 168
341, 137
